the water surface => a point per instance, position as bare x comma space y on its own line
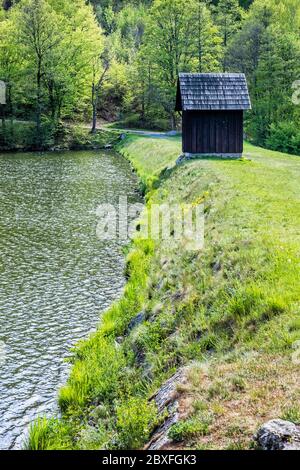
55, 274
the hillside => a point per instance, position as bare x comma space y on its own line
230, 312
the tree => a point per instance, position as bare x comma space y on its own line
168, 42
58, 42
11, 62
120, 92
82, 64
268, 51
145, 99
54, 58
208, 49
277, 69
40, 35
100, 66
228, 15
180, 36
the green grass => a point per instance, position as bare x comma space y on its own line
147, 157
197, 425
48, 434
236, 299
292, 413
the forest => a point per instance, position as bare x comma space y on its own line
68, 62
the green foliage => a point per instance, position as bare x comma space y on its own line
135, 420
77, 137
147, 159
268, 51
228, 17
96, 377
48, 434
200, 36
129, 73
187, 41
284, 137
291, 413
22, 136
193, 311
198, 425
49, 58
16, 135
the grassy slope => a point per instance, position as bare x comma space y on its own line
231, 311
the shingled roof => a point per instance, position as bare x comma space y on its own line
212, 91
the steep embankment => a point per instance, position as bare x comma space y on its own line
230, 312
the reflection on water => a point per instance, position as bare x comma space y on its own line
55, 275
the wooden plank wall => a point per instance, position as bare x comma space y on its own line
212, 132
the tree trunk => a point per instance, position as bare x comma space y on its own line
95, 98
94, 126
199, 38
225, 46
2, 108
94, 105
52, 103
38, 105
173, 121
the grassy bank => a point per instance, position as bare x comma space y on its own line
230, 311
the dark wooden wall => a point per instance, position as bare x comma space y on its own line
212, 132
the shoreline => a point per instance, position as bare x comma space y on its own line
72, 138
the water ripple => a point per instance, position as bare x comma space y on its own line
55, 275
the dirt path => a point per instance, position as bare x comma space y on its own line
105, 127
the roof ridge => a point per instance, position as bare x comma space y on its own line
213, 74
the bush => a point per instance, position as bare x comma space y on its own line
150, 122
284, 137
15, 136
135, 419
195, 426
23, 136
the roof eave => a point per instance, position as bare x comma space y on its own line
187, 108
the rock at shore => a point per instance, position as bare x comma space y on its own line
166, 400
279, 435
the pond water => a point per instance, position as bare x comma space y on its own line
56, 276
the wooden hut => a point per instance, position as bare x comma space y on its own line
212, 106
